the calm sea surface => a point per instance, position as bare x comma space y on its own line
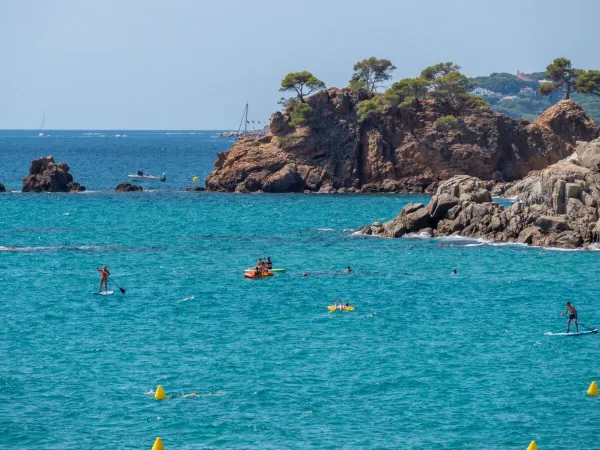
427, 360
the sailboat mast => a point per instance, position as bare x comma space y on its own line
43, 120
244, 120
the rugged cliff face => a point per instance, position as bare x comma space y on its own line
401, 150
556, 207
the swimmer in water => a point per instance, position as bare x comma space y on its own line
454, 272
348, 270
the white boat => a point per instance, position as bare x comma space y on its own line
42, 133
135, 177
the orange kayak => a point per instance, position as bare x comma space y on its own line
260, 275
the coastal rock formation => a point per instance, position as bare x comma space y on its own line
195, 189
128, 187
400, 150
45, 175
2, 188
555, 207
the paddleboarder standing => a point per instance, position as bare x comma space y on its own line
104, 274
572, 316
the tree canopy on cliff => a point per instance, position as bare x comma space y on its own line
442, 81
562, 76
446, 82
369, 72
588, 82
302, 83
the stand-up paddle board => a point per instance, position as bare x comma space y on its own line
103, 293
581, 333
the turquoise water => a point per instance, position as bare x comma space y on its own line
427, 360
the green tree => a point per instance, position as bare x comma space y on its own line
413, 87
447, 83
439, 70
372, 71
358, 86
370, 108
588, 82
446, 123
562, 76
302, 83
300, 114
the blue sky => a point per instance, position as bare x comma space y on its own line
192, 64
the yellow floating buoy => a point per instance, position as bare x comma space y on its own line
195, 179
593, 389
160, 393
158, 445
532, 446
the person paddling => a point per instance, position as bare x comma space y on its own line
268, 263
104, 274
572, 316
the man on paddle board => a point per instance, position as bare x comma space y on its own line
572, 316
104, 274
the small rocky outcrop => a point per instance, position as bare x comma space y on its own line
399, 150
555, 207
195, 189
128, 187
2, 188
45, 175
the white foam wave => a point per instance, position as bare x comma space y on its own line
325, 229
187, 299
419, 235
46, 249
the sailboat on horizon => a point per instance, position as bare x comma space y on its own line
42, 133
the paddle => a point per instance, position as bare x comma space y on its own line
120, 288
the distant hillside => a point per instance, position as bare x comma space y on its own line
517, 96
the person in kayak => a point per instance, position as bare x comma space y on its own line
268, 263
572, 316
104, 274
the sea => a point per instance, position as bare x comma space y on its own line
428, 360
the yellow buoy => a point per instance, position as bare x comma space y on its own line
160, 393
532, 446
593, 389
195, 179
158, 445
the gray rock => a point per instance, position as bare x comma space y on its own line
588, 154
526, 236
440, 204
552, 224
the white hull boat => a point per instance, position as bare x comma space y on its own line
135, 177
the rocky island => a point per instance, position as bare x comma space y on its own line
429, 135
400, 151
45, 175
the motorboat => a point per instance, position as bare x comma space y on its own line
142, 177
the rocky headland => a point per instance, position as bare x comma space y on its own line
554, 207
45, 175
400, 150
